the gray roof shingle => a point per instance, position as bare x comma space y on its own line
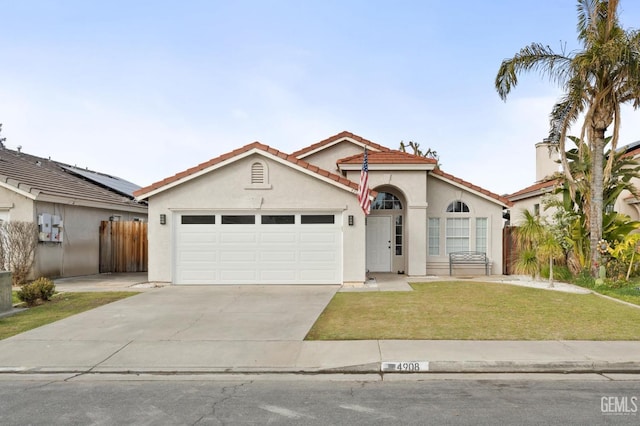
44, 177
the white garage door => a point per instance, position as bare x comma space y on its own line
279, 248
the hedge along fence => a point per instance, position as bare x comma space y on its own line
18, 243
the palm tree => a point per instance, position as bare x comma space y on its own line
596, 81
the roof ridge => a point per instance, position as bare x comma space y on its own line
534, 187
378, 156
236, 152
48, 176
342, 135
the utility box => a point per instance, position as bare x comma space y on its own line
5, 292
50, 227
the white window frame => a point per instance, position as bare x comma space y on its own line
482, 234
458, 233
433, 239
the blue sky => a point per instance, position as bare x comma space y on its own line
146, 89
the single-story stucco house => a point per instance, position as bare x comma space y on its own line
68, 204
260, 216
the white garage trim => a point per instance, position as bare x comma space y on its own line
257, 248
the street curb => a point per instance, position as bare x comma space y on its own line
436, 367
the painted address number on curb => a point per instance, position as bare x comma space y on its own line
405, 366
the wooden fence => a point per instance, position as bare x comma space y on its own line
509, 250
123, 246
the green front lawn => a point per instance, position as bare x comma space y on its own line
456, 310
61, 306
629, 292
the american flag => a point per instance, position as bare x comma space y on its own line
363, 189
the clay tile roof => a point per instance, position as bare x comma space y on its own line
476, 188
388, 157
255, 145
534, 189
336, 138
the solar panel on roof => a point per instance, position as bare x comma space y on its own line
117, 184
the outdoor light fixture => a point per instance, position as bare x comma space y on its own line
163, 219
350, 220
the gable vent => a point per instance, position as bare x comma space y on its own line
257, 173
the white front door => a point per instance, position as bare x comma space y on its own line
379, 243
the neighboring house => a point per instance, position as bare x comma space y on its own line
68, 204
260, 216
531, 198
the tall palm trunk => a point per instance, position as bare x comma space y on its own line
597, 197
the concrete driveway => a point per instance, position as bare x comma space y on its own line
175, 328
184, 313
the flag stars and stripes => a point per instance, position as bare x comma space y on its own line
363, 188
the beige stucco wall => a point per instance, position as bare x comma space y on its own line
78, 253
547, 155
326, 159
441, 194
412, 185
19, 207
228, 189
529, 204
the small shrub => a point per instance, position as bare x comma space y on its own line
40, 289
29, 294
584, 279
45, 287
560, 273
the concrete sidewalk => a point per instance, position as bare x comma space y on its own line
260, 329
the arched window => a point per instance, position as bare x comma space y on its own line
457, 207
386, 201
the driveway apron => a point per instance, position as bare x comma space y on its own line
190, 313
176, 328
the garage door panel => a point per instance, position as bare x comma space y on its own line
318, 275
235, 256
200, 237
318, 256
199, 276
258, 253
317, 237
278, 256
198, 256
240, 236
234, 275
275, 237
277, 275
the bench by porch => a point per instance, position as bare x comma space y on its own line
468, 258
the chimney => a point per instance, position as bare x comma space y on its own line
547, 156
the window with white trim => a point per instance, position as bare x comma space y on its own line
434, 236
457, 234
398, 235
458, 207
386, 201
481, 234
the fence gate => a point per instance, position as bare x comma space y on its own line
509, 250
123, 246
